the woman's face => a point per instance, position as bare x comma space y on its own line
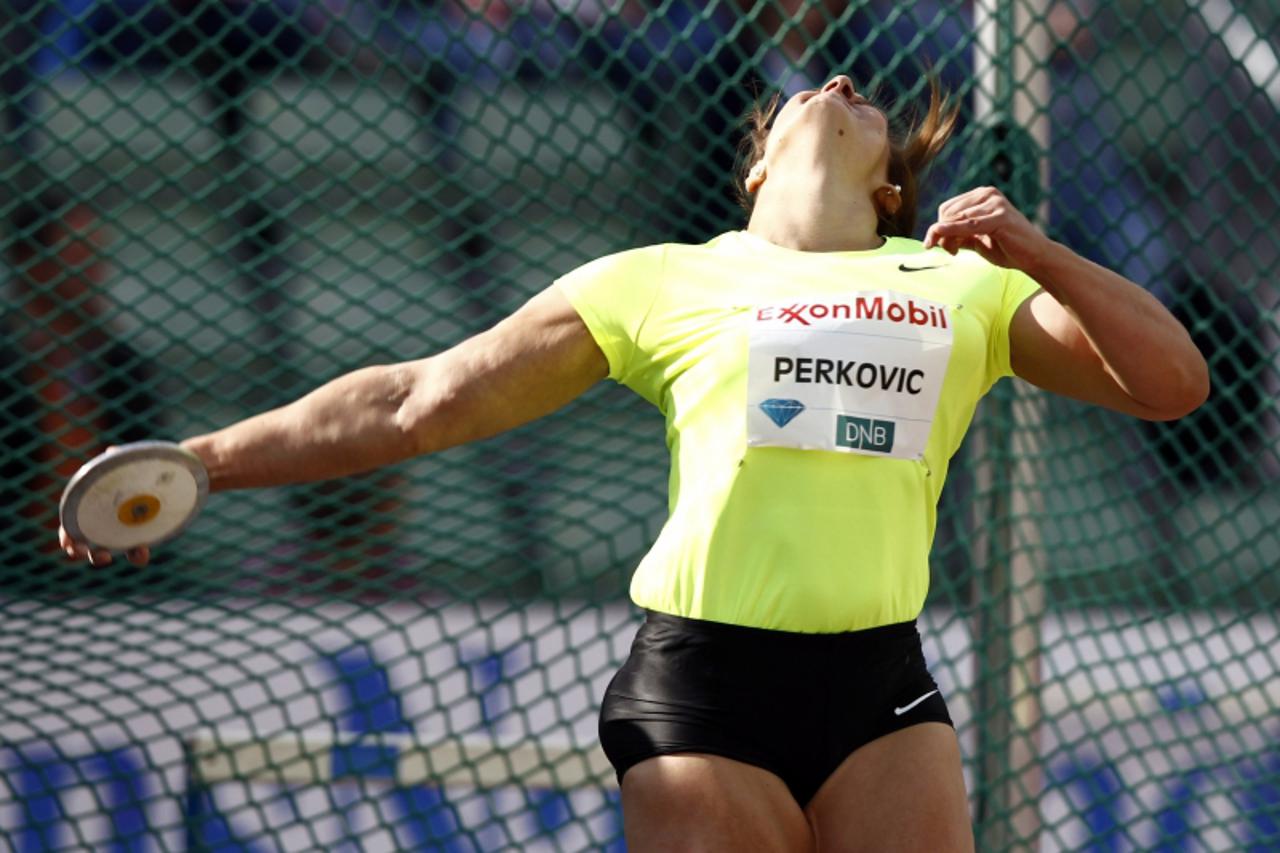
841, 120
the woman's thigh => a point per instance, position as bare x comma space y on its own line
901, 792
692, 802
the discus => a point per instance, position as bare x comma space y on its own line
135, 494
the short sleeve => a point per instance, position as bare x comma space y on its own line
613, 295
1018, 287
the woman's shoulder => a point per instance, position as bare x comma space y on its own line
623, 262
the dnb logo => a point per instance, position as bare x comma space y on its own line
864, 434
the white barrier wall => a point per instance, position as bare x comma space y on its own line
266, 727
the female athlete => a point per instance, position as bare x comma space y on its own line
817, 371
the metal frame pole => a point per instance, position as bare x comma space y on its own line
1012, 52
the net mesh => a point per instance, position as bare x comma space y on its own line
213, 207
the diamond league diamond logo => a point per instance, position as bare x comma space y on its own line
781, 412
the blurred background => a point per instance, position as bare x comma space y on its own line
212, 207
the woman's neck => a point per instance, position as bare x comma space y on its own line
813, 219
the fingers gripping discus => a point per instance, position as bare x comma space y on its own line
135, 494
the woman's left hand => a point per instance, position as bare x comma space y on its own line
985, 221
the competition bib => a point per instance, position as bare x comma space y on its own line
859, 373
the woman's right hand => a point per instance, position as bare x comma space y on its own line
100, 557
139, 556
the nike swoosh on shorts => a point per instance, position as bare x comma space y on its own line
898, 712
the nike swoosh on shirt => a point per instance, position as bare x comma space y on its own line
898, 712
905, 268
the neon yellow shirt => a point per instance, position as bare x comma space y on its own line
766, 529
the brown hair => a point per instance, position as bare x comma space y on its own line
911, 150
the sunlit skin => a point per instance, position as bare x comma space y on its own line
1092, 335
1089, 334
828, 148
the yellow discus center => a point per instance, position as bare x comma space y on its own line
138, 509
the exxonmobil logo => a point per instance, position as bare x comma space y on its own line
879, 307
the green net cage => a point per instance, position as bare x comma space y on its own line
212, 207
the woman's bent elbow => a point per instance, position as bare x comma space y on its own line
1187, 394
412, 414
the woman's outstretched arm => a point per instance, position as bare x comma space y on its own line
528, 365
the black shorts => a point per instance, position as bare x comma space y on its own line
794, 704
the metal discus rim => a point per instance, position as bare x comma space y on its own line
93, 472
